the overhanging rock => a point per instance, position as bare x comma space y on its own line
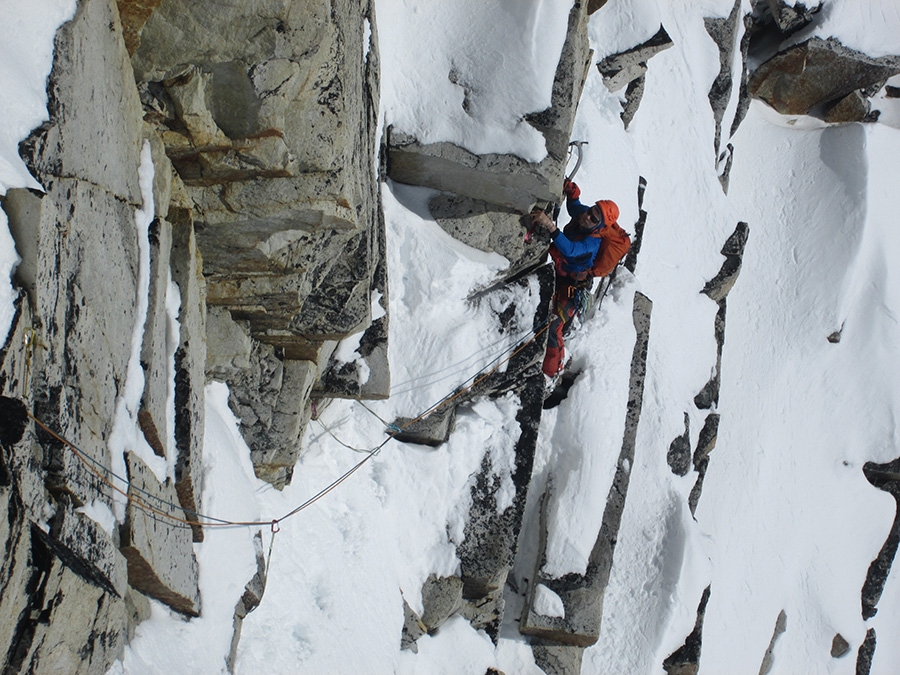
269, 115
505, 180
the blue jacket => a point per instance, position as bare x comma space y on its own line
577, 248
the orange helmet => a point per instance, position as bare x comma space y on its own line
610, 211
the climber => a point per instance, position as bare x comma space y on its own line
574, 251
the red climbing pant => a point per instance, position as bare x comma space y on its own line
567, 304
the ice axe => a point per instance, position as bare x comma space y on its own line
578, 148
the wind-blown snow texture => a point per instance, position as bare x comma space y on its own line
786, 520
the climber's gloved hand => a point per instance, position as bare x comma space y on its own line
571, 189
540, 219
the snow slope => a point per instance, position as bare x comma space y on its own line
786, 520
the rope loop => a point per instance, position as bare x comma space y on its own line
166, 511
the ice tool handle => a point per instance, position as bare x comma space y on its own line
578, 148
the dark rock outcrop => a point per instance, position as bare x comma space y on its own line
686, 659
717, 289
744, 97
884, 477
250, 599
13, 419
790, 18
866, 653
839, 646
706, 443
854, 107
724, 34
807, 77
637, 238
679, 454
620, 69
769, 657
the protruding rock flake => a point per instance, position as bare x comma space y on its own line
582, 594
620, 69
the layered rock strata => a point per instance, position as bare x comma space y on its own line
265, 206
268, 115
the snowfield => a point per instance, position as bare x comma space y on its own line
786, 520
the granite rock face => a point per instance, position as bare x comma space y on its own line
268, 115
265, 248
71, 612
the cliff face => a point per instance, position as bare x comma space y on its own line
211, 210
251, 246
